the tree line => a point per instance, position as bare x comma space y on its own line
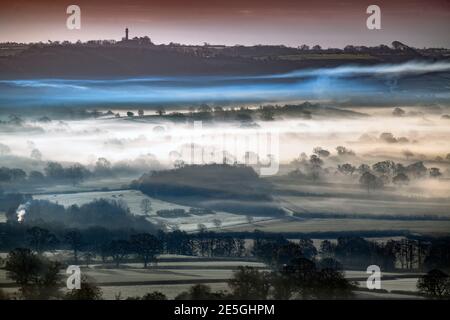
120, 245
373, 177
298, 270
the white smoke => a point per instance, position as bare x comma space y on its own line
21, 211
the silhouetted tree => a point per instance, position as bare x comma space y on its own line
267, 114
398, 112
36, 276
408, 154
41, 239
363, 168
435, 172
438, 256
416, 170
330, 263
160, 111
384, 167
327, 249
146, 206
146, 246
435, 284
217, 223
74, 240
400, 179
346, 168
200, 292
118, 250
88, 291
343, 151
248, 283
321, 152
370, 181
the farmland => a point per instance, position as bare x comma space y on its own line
133, 200
174, 274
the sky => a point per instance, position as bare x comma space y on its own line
246, 22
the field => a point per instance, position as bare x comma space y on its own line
345, 225
331, 205
334, 207
321, 207
133, 200
174, 274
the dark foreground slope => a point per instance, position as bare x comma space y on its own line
100, 61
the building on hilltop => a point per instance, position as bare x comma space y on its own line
136, 40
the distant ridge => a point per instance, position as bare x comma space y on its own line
104, 61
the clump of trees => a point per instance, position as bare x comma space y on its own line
14, 175
388, 137
39, 278
201, 292
106, 213
369, 177
69, 174
435, 284
370, 181
221, 182
146, 246
36, 276
297, 268
245, 115
404, 254
299, 279
54, 171
88, 291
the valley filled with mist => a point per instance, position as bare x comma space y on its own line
325, 154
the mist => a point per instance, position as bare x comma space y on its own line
396, 83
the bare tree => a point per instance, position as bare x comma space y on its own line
370, 181
217, 223
408, 154
146, 246
146, 206
73, 238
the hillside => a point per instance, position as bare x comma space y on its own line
97, 61
220, 187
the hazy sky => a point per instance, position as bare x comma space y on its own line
289, 22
